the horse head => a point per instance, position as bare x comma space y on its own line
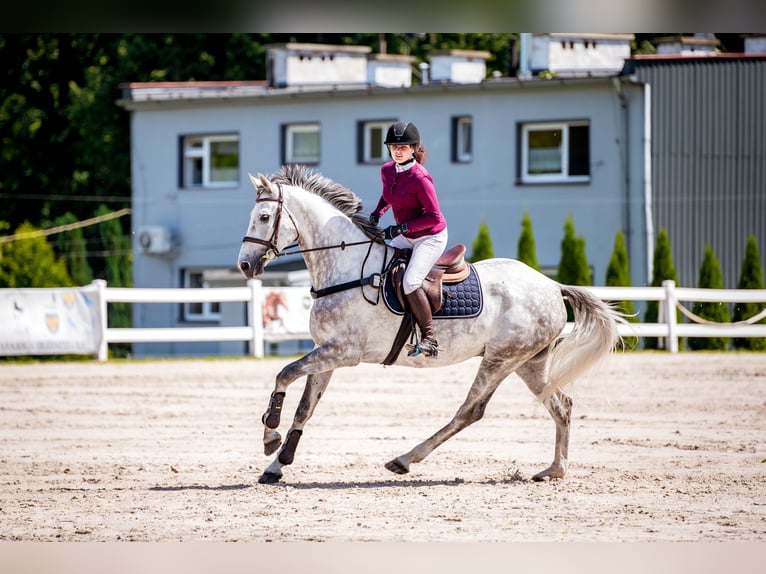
268, 232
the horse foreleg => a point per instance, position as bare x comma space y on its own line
491, 374
312, 392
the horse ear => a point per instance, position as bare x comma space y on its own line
264, 181
253, 180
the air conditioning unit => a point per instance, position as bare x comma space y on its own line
155, 240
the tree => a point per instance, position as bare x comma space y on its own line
663, 269
751, 277
710, 278
71, 246
30, 261
573, 266
618, 275
482, 245
527, 252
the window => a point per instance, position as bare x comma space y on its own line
199, 311
210, 161
371, 136
462, 139
553, 152
300, 143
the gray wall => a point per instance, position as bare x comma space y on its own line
708, 158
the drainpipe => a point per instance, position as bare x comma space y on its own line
625, 161
648, 210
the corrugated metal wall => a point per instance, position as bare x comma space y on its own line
708, 158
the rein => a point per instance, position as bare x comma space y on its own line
375, 280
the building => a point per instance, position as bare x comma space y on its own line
574, 142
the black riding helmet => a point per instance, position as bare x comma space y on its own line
402, 133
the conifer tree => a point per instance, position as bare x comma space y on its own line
618, 275
751, 277
527, 251
663, 269
710, 278
573, 266
482, 245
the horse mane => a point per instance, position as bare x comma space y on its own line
345, 200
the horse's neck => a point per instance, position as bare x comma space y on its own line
322, 226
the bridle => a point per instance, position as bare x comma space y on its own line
271, 243
273, 250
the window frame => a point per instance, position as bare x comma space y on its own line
288, 142
191, 154
210, 311
564, 175
459, 136
365, 141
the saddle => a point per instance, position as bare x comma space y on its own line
452, 280
451, 267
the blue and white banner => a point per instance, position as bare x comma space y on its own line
49, 321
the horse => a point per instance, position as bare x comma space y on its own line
519, 328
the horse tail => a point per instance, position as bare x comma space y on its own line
594, 336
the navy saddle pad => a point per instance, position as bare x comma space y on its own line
460, 300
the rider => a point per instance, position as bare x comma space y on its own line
408, 189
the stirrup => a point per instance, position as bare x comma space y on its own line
427, 346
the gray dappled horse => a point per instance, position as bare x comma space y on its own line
519, 328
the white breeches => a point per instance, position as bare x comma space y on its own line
425, 251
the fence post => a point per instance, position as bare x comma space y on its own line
670, 310
255, 317
103, 346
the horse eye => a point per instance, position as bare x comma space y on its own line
263, 218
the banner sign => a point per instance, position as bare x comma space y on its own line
49, 321
286, 310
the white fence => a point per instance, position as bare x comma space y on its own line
254, 294
669, 296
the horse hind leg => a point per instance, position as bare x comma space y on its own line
491, 373
316, 385
559, 406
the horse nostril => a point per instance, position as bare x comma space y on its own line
245, 266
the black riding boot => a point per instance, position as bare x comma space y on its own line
421, 309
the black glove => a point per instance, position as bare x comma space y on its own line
394, 230
374, 218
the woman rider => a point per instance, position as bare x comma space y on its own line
408, 190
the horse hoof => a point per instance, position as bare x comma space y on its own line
397, 467
548, 474
272, 446
269, 478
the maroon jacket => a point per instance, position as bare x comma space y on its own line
412, 197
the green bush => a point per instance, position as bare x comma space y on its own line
30, 261
573, 266
663, 269
618, 275
751, 277
710, 278
482, 245
527, 251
